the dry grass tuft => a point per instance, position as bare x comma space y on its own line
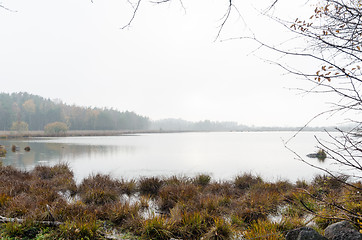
100, 189
150, 185
246, 180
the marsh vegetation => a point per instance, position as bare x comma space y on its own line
101, 207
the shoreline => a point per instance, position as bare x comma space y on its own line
91, 133
79, 133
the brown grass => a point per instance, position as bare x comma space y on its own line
100, 189
183, 208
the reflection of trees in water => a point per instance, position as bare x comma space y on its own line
48, 153
20, 158
73, 151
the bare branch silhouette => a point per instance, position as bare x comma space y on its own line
8, 9
135, 10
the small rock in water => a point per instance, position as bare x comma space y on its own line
14, 148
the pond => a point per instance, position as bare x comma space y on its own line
223, 155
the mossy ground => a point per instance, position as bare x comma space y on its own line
164, 208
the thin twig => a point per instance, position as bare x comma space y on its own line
133, 15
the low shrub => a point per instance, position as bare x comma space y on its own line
71, 211
14, 230
202, 180
209, 203
328, 183
221, 230
214, 204
149, 186
301, 184
326, 217
100, 189
289, 223
170, 195
13, 181
246, 180
118, 213
263, 229
128, 187
99, 196
192, 225
82, 229
156, 228
249, 215
60, 177
175, 180
4, 199
220, 188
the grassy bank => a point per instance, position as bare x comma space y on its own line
51, 206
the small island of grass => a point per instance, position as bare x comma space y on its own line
320, 155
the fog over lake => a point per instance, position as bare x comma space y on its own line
220, 154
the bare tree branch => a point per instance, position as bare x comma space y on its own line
224, 19
8, 9
133, 15
271, 6
165, 1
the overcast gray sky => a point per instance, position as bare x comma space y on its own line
166, 65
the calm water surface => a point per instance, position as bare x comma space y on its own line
223, 155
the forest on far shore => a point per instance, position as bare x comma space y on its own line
37, 112
27, 112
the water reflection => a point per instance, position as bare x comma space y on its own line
222, 155
46, 152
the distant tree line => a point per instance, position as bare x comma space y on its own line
23, 111
172, 124
37, 112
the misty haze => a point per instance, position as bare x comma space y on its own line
180, 119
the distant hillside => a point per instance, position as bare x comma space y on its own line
37, 112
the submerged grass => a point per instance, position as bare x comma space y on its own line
164, 208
